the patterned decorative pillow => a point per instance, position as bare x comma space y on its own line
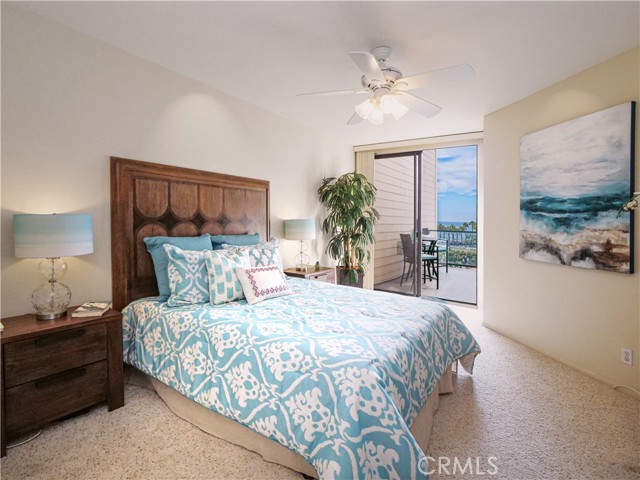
261, 283
161, 261
188, 281
261, 254
223, 282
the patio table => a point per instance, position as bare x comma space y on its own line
434, 238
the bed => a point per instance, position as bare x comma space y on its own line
331, 381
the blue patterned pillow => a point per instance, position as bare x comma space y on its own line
188, 280
262, 254
161, 261
224, 285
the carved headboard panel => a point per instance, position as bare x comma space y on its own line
149, 199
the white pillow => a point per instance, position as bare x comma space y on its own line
261, 283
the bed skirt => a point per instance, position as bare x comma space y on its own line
233, 432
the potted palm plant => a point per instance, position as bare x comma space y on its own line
351, 217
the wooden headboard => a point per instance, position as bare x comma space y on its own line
149, 199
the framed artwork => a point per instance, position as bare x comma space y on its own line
574, 177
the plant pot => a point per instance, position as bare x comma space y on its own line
342, 278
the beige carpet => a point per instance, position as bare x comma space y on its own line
538, 418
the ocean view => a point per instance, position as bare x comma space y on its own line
455, 224
457, 195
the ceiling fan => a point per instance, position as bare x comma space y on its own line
389, 88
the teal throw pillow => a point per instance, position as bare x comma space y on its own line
217, 241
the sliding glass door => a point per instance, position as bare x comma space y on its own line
426, 238
457, 227
398, 265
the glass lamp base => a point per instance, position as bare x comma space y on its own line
51, 300
302, 259
51, 316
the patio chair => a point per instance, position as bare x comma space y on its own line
442, 245
431, 262
408, 252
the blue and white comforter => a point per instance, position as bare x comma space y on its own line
336, 374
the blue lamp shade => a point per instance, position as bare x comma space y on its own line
52, 236
302, 229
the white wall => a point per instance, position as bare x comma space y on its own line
69, 102
581, 317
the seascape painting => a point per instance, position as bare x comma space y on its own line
573, 179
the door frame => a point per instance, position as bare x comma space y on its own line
417, 214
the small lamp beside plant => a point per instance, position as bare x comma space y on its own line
351, 217
300, 229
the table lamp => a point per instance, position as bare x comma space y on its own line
302, 229
51, 237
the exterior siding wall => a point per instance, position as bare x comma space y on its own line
394, 181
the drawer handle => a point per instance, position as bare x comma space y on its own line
54, 338
63, 377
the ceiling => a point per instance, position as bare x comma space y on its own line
267, 52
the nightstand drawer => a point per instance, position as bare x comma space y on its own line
328, 277
323, 274
46, 355
36, 403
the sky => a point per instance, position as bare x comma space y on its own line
457, 185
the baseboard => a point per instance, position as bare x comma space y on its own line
585, 371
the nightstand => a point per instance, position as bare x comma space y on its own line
53, 368
325, 274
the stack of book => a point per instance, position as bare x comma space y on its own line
91, 309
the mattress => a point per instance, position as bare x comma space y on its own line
335, 374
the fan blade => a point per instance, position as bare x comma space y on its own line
333, 92
442, 75
355, 118
419, 105
368, 64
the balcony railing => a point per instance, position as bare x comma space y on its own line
463, 247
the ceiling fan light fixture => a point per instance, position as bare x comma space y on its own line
376, 116
365, 108
390, 89
391, 106
399, 110
387, 102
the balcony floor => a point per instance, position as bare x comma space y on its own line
457, 285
